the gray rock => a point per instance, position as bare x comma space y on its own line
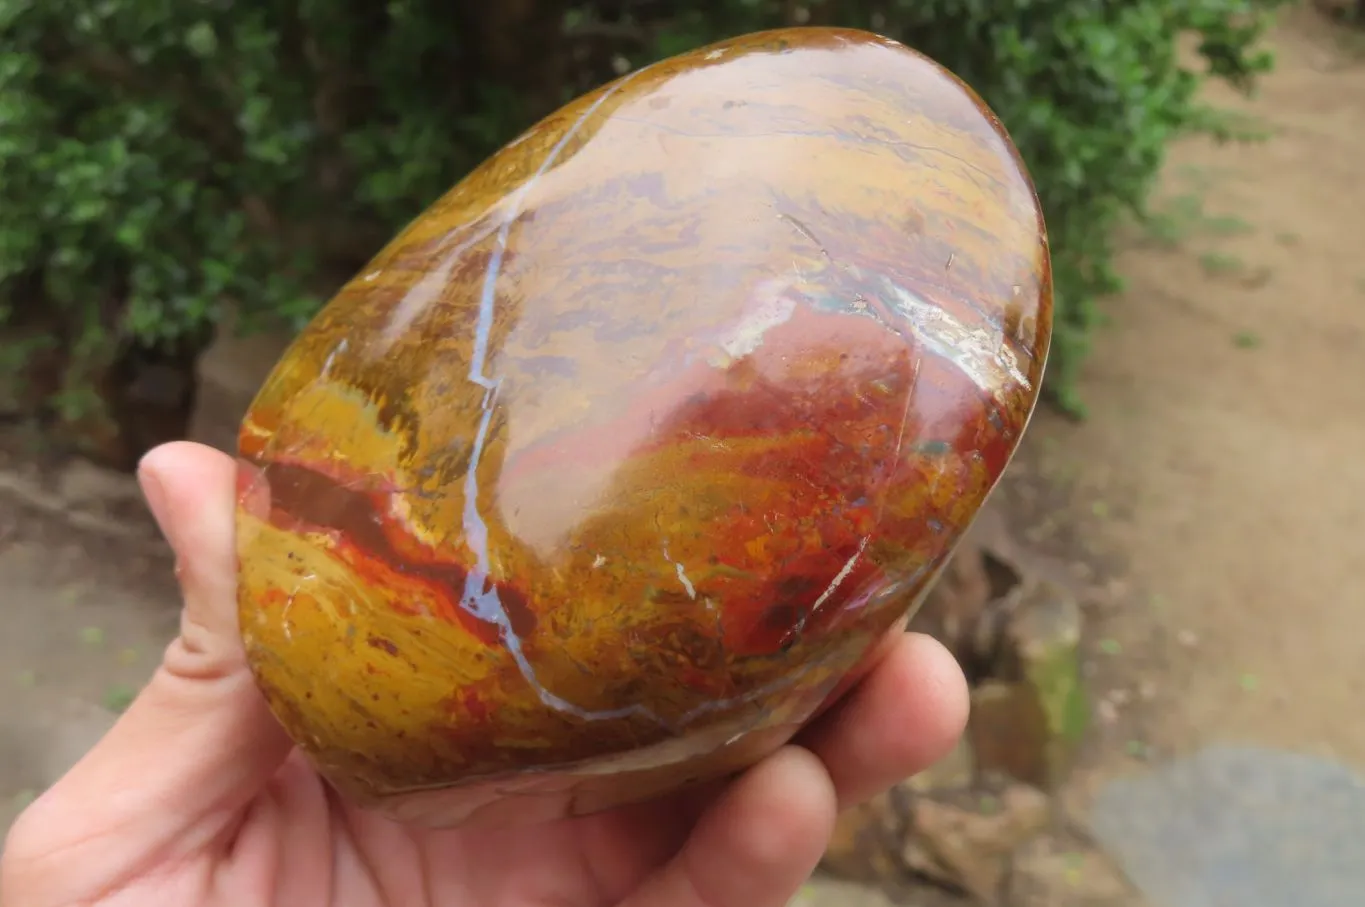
1239, 827
821, 892
973, 847
959, 839
1027, 723
1049, 871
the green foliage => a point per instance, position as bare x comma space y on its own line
159, 160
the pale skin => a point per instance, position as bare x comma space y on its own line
196, 798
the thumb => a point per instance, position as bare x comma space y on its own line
198, 743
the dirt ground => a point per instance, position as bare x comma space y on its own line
1222, 459
1223, 456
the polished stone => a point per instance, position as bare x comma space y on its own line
608, 471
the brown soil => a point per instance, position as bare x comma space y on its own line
87, 612
1228, 423
1224, 457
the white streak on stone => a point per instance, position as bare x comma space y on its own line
842, 575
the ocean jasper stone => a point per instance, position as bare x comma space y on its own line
612, 467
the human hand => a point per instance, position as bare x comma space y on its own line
196, 797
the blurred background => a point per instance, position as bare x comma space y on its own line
1162, 612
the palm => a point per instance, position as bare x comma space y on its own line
318, 852
297, 844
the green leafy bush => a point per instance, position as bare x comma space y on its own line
160, 161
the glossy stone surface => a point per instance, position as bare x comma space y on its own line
604, 474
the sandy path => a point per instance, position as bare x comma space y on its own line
1228, 427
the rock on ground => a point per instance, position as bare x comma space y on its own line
1242, 826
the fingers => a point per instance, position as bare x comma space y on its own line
757, 843
905, 715
759, 839
198, 743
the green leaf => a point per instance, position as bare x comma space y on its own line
201, 39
